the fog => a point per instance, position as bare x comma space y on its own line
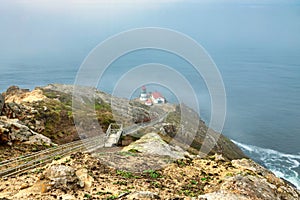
65, 31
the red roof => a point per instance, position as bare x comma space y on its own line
157, 95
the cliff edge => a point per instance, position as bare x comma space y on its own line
153, 162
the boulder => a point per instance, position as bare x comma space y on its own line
85, 180
61, 176
39, 139
152, 143
66, 177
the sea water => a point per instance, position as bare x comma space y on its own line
262, 88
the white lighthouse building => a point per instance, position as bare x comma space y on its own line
143, 95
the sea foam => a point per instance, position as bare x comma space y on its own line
281, 164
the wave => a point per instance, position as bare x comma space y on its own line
283, 165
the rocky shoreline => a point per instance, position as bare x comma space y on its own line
152, 165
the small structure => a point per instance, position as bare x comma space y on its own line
148, 102
151, 98
113, 134
143, 95
157, 98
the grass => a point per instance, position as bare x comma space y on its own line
133, 151
37, 171
156, 184
57, 157
120, 183
112, 197
102, 106
194, 182
152, 173
229, 175
187, 193
126, 174
127, 153
87, 196
204, 179
103, 193
180, 163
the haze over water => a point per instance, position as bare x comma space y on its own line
255, 44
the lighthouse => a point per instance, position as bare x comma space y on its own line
143, 95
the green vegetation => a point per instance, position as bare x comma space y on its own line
120, 183
102, 106
103, 193
156, 184
181, 163
203, 179
56, 115
127, 153
152, 173
188, 193
224, 146
57, 157
133, 151
126, 191
126, 174
37, 171
87, 196
229, 175
112, 197
194, 182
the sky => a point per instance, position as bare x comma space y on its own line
255, 44
68, 29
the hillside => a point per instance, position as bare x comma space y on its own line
160, 161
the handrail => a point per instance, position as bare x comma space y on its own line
24, 163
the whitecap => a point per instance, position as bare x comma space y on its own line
281, 164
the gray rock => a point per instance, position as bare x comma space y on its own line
39, 139
61, 176
152, 143
143, 195
18, 132
66, 177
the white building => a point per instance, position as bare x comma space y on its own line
143, 95
156, 98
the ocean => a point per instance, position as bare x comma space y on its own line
262, 88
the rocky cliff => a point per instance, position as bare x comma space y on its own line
157, 162
85, 176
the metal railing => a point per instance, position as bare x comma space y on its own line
26, 162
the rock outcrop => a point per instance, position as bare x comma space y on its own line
152, 143
19, 96
12, 130
61, 176
45, 112
51, 111
163, 162
82, 176
192, 134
